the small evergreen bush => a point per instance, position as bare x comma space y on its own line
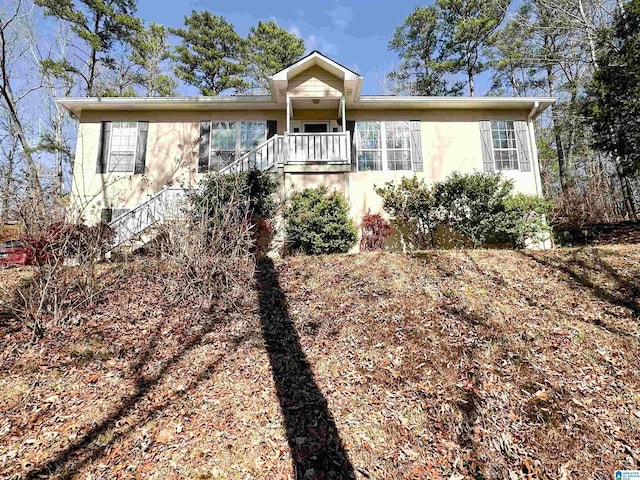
409, 203
476, 209
317, 222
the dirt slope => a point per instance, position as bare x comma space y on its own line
478, 364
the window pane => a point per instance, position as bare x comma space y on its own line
124, 138
398, 135
221, 158
369, 135
369, 160
121, 162
506, 160
223, 136
252, 134
399, 159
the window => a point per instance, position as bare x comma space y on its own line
383, 146
369, 146
122, 151
252, 134
230, 139
223, 144
505, 148
398, 145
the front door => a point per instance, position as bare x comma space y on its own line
320, 127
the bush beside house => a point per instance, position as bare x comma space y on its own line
477, 209
317, 222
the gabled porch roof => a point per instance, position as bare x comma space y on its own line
352, 81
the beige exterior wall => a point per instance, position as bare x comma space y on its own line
316, 82
171, 159
450, 142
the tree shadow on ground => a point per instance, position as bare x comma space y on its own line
623, 294
317, 451
91, 446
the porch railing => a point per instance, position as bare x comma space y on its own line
317, 147
332, 147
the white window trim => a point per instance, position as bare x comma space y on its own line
135, 149
514, 149
383, 147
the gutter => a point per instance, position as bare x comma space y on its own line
534, 148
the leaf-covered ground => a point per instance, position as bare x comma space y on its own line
462, 364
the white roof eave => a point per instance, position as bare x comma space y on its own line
76, 106
457, 103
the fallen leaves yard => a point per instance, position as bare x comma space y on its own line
461, 364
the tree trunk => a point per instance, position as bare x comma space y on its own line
627, 194
589, 33
556, 131
6, 193
6, 92
514, 83
94, 60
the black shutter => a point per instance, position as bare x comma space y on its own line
203, 161
487, 146
272, 128
106, 215
351, 128
417, 164
141, 147
103, 149
523, 146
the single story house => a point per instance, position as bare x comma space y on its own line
314, 128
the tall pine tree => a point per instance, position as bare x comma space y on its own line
468, 30
418, 42
100, 25
149, 51
270, 49
211, 55
613, 99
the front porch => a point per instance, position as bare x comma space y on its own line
298, 152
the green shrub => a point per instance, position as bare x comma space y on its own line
317, 222
474, 209
409, 204
471, 204
526, 219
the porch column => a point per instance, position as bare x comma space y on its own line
288, 130
343, 108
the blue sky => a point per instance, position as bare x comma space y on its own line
354, 33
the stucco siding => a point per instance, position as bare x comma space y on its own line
172, 157
450, 142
